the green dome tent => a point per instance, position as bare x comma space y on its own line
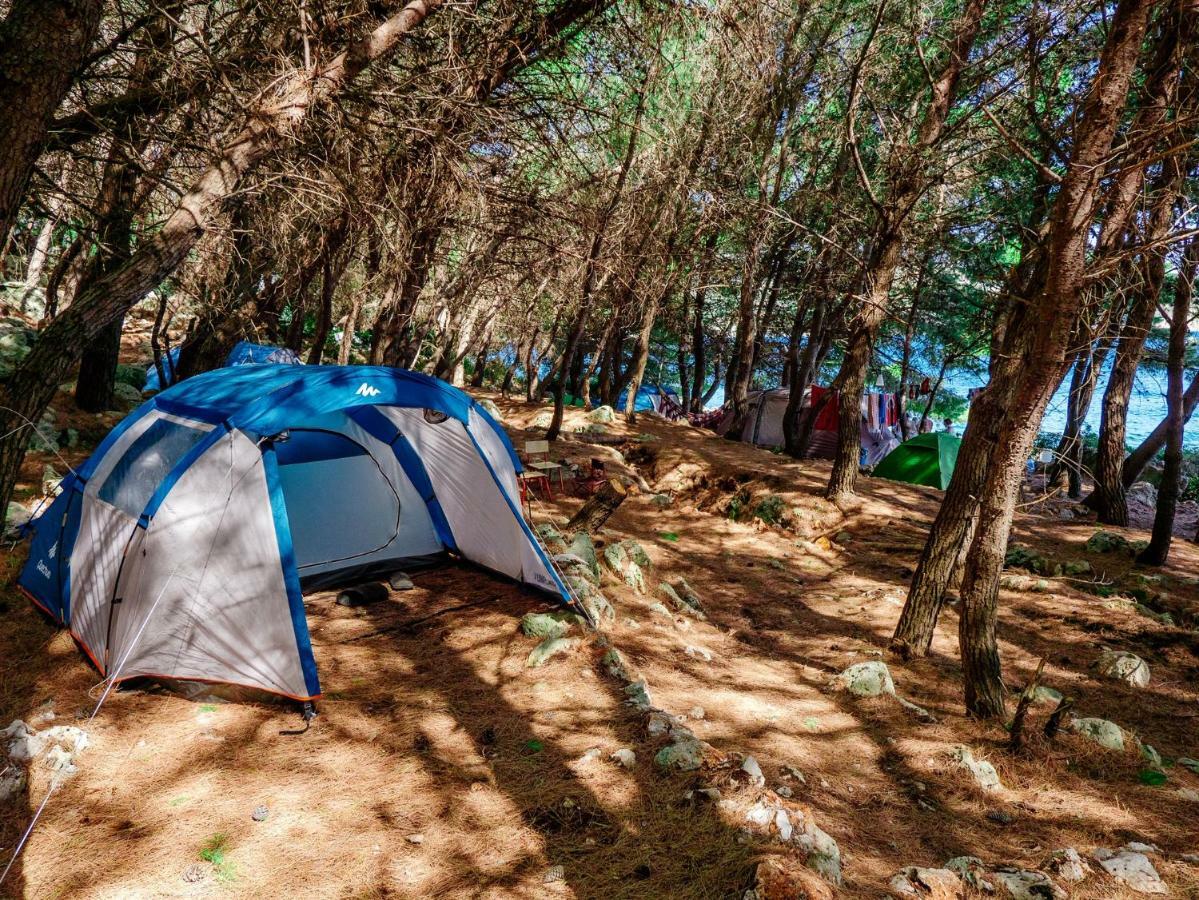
926, 459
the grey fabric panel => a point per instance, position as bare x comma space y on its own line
476, 510
208, 587
416, 537
104, 532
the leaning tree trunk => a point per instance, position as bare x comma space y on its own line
43, 44
1136, 461
34, 383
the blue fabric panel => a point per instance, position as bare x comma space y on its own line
46, 574
313, 446
145, 463
269, 399
169, 364
245, 353
562, 591
291, 575
383, 429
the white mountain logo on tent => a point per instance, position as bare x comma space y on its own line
365, 390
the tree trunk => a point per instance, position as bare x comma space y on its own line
599, 507
1109, 499
43, 44
1136, 461
1034, 360
1158, 550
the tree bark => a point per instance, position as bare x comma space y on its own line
599, 507
1158, 550
1136, 461
1036, 343
43, 43
1109, 499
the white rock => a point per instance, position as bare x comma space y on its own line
751, 768
1101, 731
624, 757
1067, 865
1188, 794
415, 838
1136, 871
914, 881
983, 772
696, 712
591, 755
698, 653
866, 679
1123, 666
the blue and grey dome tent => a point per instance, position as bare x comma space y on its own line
181, 547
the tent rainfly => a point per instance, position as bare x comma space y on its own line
181, 547
926, 459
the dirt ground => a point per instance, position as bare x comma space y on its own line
441, 766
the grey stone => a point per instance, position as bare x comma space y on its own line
1121, 665
583, 547
1067, 865
615, 665
686, 754
698, 653
1101, 731
602, 414
1022, 884
1136, 871
866, 679
1043, 694
661, 500
980, 770
126, 395
618, 559
542, 420
547, 649
638, 694
544, 625
971, 870
553, 874
914, 881
260, 813
17, 516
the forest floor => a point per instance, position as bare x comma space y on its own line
441, 765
